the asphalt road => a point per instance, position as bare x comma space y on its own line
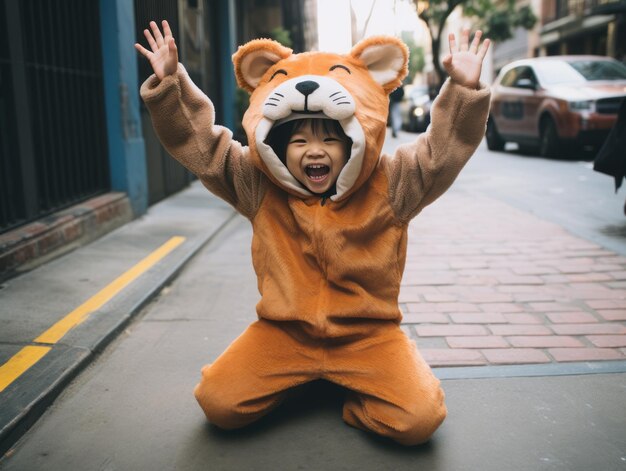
567, 192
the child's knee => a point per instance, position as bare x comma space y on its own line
419, 428
406, 425
219, 404
411, 427
231, 404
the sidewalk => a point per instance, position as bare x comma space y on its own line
59, 316
509, 288
508, 295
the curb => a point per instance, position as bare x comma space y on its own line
29, 246
25, 401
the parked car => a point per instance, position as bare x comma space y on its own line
554, 103
416, 109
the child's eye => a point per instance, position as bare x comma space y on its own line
331, 139
297, 141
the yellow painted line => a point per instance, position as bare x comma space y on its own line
19, 363
30, 355
78, 315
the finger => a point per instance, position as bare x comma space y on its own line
172, 46
483, 49
464, 40
157, 33
143, 51
166, 29
452, 43
447, 63
151, 41
476, 41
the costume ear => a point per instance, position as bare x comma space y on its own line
254, 58
386, 58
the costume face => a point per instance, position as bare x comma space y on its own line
351, 89
315, 156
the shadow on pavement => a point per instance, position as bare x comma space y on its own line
305, 432
307, 404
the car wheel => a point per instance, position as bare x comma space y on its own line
550, 142
494, 140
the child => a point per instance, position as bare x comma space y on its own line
329, 217
313, 150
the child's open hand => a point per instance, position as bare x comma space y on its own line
164, 55
464, 64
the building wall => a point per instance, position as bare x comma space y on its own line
583, 27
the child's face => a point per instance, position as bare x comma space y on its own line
316, 158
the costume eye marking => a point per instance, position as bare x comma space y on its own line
279, 71
339, 66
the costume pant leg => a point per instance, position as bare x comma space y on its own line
252, 376
393, 391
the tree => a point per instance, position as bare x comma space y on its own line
281, 35
497, 19
417, 60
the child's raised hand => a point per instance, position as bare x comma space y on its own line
164, 55
465, 63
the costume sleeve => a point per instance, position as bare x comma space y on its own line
422, 171
184, 119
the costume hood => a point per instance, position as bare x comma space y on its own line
352, 89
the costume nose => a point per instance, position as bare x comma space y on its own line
307, 87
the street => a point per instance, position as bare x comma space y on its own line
133, 407
567, 192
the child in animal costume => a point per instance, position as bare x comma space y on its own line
329, 263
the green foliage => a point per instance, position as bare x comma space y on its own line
526, 18
496, 18
499, 19
281, 35
417, 59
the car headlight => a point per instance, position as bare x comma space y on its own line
419, 111
584, 105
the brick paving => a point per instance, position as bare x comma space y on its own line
488, 284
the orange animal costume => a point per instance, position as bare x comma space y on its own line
328, 271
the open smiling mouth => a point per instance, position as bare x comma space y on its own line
317, 172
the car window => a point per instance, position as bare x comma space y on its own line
525, 73
554, 72
600, 70
509, 78
578, 71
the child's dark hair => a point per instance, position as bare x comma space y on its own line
278, 137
